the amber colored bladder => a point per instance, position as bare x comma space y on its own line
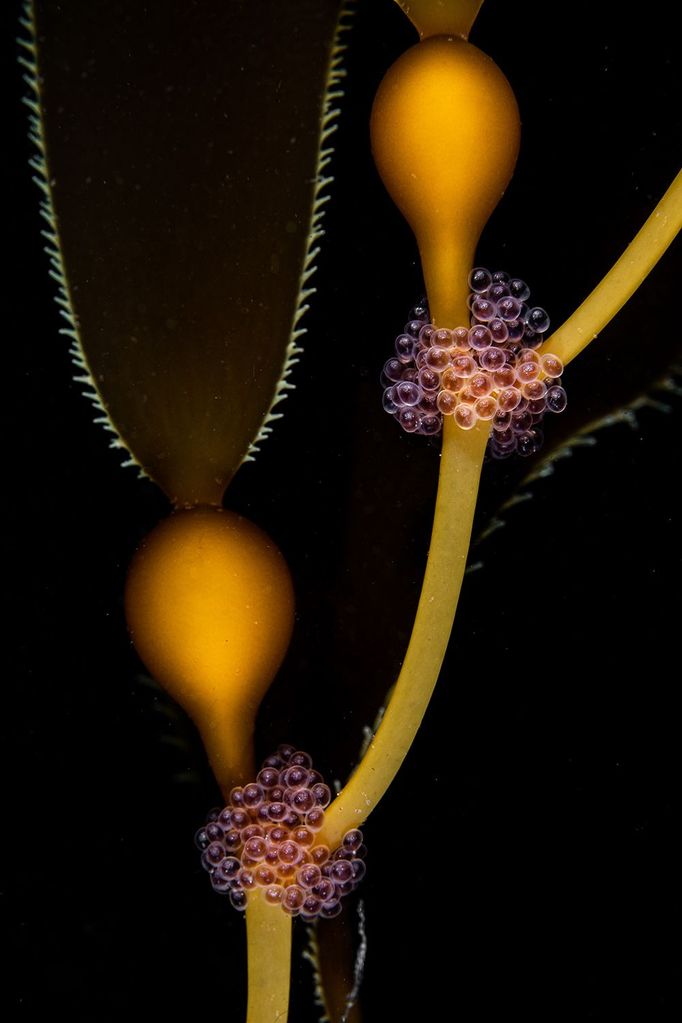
445, 137
210, 607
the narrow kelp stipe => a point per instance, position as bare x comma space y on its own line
210, 596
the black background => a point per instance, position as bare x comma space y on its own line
551, 747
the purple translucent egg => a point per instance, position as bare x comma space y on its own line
222, 885
253, 795
413, 328
408, 393
359, 869
251, 831
519, 289
508, 309
389, 405
238, 898
322, 794
310, 907
315, 819
426, 334
214, 832
324, 889
480, 338
438, 359
293, 898
431, 425
268, 777
393, 370
309, 875
232, 839
289, 853
240, 818
480, 280
341, 871
429, 379
215, 853
301, 759
404, 347
498, 291
556, 398
201, 839
295, 777
274, 894
303, 801
532, 339
352, 840
255, 849
521, 421
538, 320
516, 331
483, 309
528, 443
229, 867
277, 811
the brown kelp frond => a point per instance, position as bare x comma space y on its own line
312, 955
41, 176
188, 219
337, 1003
358, 966
331, 111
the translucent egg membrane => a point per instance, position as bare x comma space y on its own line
263, 844
489, 371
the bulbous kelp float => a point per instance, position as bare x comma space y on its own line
187, 368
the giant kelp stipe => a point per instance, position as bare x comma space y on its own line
557, 767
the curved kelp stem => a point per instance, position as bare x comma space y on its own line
457, 493
268, 936
623, 279
460, 469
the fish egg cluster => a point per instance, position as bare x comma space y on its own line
264, 842
490, 371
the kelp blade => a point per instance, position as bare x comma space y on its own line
182, 151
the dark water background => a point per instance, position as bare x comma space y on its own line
551, 745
